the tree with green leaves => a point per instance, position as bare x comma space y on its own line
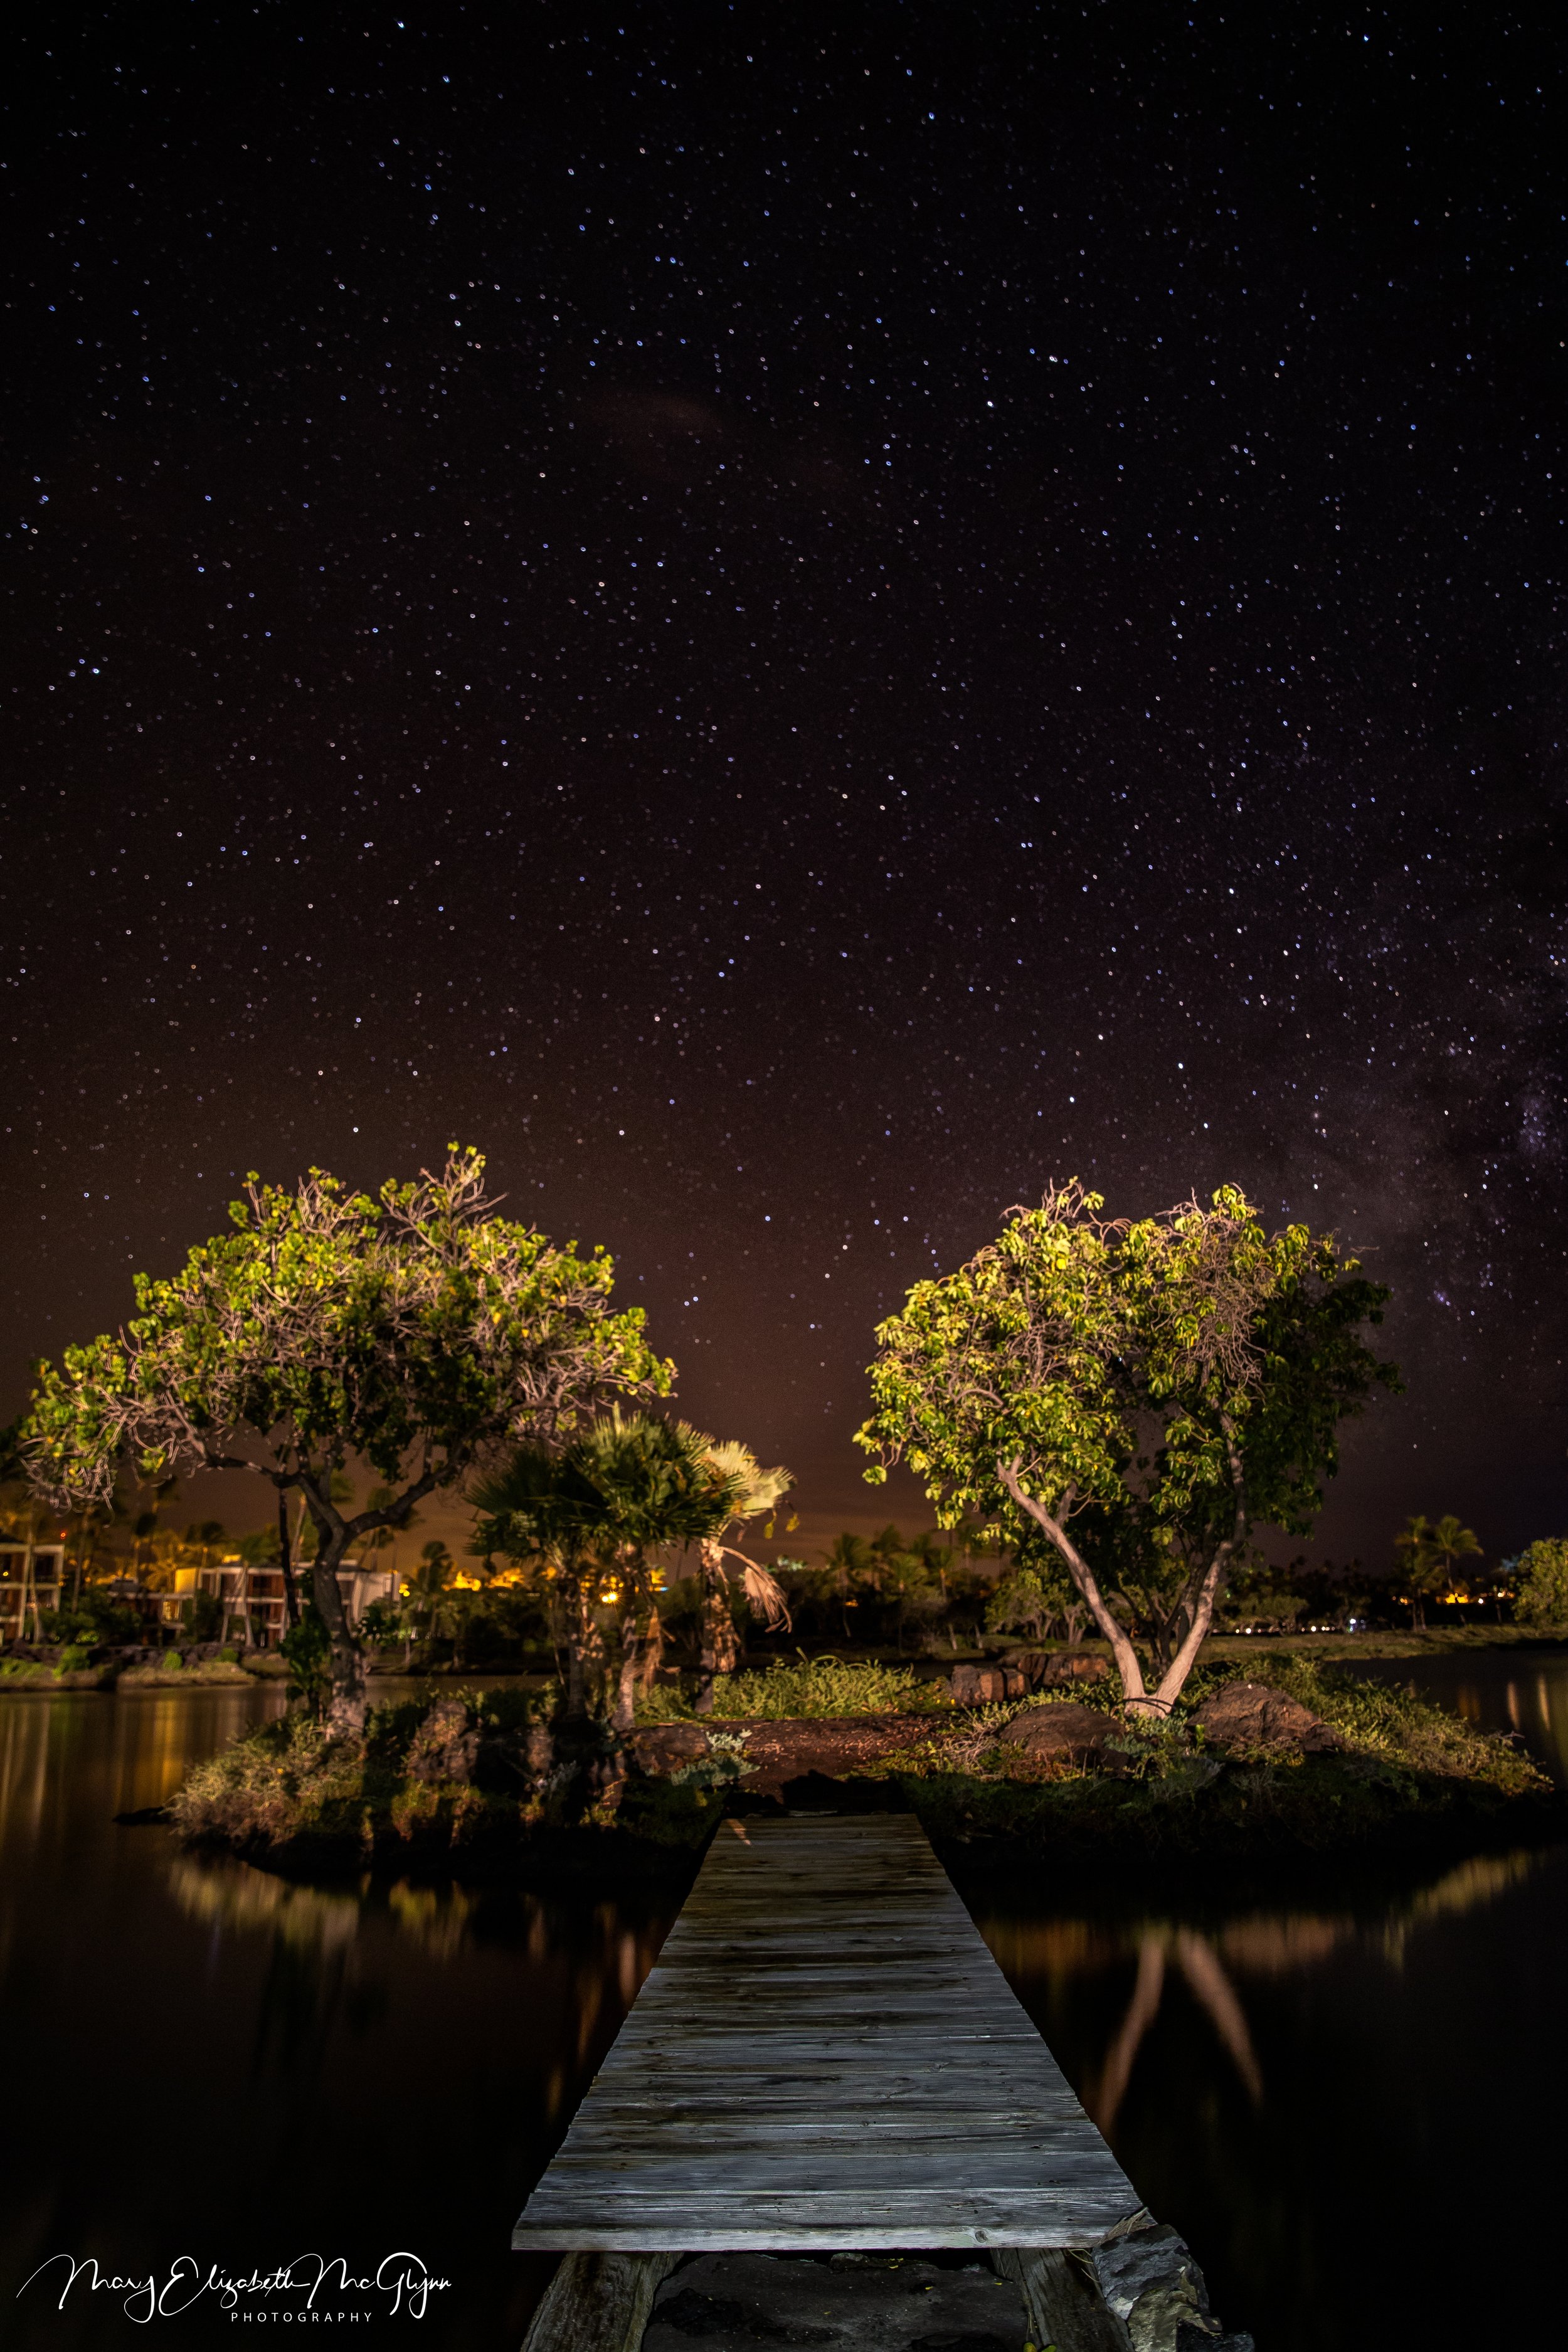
1140, 1393
1540, 1582
658, 1485
1035, 1593
416, 1330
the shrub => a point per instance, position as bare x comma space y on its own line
1541, 1596
308, 1649
74, 1657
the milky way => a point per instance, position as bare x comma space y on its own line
796, 630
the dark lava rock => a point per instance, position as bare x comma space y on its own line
665, 1746
443, 1747
985, 1685
1060, 1729
1251, 1715
736, 2302
1065, 1667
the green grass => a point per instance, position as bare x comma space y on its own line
804, 1686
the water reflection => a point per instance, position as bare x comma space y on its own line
1524, 1692
1204, 1973
212, 2058
1300, 2084
331, 1952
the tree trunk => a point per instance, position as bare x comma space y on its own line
1133, 1690
286, 1562
576, 1646
720, 1650
347, 1705
1200, 1603
634, 1623
624, 1713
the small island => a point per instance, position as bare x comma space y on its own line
1104, 1415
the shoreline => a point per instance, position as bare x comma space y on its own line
1323, 1649
1302, 1763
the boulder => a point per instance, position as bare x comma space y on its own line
985, 1685
1060, 1669
1152, 2284
444, 1748
1060, 1729
1253, 1715
664, 1746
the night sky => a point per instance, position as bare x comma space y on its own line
796, 623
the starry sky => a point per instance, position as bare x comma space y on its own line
797, 621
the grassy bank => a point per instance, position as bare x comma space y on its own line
482, 1781
1404, 1772
32, 1674
173, 1673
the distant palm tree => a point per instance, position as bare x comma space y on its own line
751, 1491
1420, 1563
1452, 1542
850, 1564
1432, 1550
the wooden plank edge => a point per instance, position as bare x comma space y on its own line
805, 2237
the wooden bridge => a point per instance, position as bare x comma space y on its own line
826, 2057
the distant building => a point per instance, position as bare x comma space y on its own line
31, 1580
256, 1595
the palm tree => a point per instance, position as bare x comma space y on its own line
539, 1513
1420, 1564
1431, 1550
849, 1561
657, 1483
627, 1485
1452, 1542
752, 1491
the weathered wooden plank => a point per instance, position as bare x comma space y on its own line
828, 2055
1064, 2307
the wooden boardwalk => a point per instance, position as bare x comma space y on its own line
826, 2055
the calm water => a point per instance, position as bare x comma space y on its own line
1349, 2099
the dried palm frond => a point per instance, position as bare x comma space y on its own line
765, 1593
756, 1490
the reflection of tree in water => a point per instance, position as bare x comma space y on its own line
1262, 1943
330, 1963
315, 1977
1199, 1963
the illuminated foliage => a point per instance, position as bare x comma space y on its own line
1139, 1393
416, 1328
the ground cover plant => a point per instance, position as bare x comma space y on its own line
1398, 1768
803, 1686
